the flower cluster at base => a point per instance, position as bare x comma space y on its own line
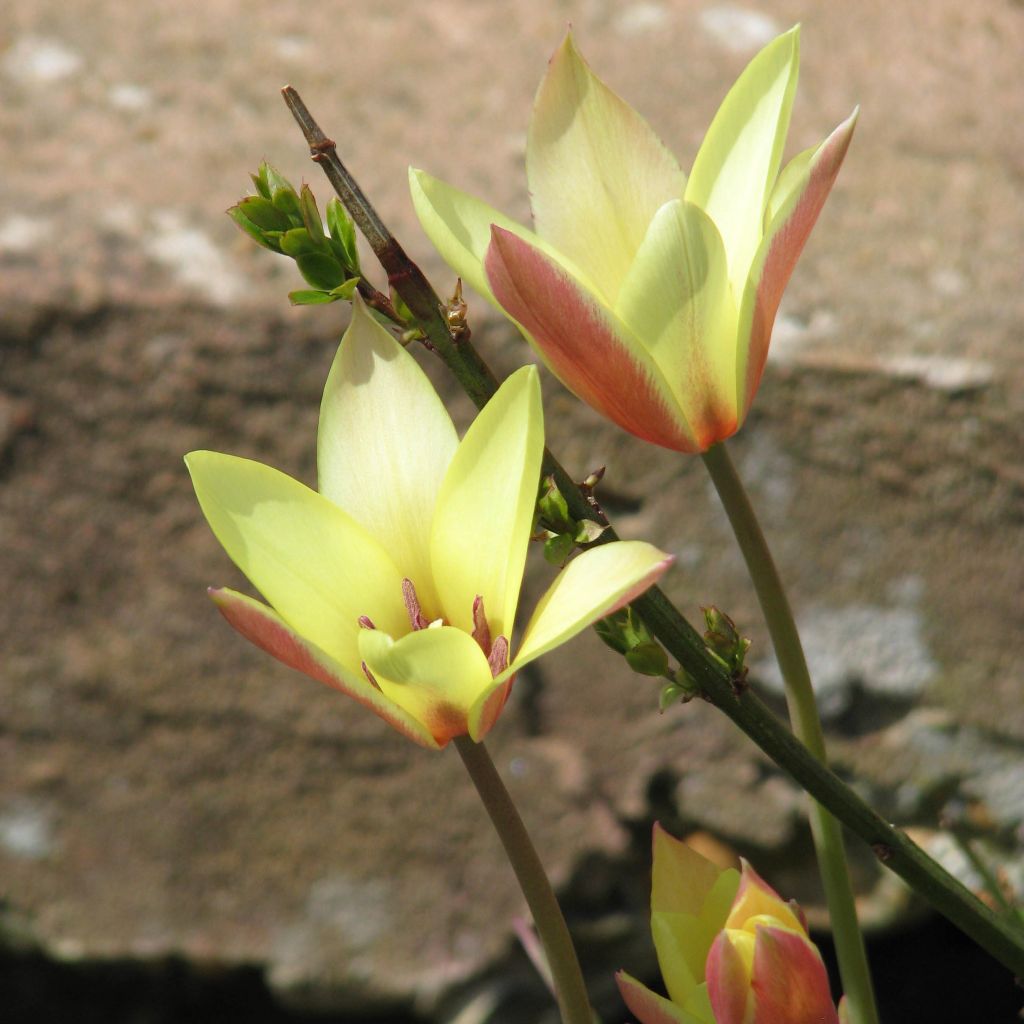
650, 295
731, 951
397, 583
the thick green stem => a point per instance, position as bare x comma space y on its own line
998, 935
547, 915
803, 713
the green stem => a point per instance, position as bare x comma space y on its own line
1000, 937
547, 915
803, 713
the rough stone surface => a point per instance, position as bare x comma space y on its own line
165, 789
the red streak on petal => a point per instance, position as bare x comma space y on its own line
578, 342
493, 707
446, 721
262, 629
784, 251
789, 980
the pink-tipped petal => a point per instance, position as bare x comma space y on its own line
779, 251
584, 343
789, 980
647, 1006
263, 627
728, 983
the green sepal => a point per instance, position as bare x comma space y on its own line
649, 659
264, 214
296, 243
343, 231
256, 233
558, 547
311, 297
320, 270
311, 218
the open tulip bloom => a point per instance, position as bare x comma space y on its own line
398, 582
731, 950
649, 294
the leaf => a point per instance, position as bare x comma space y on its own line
311, 218
311, 297
339, 223
320, 270
296, 243
264, 214
257, 234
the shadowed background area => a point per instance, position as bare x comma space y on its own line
168, 792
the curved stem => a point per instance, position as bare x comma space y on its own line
547, 915
803, 713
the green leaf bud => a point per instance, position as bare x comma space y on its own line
649, 659
558, 547
320, 270
311, 297
311, 218
343, 231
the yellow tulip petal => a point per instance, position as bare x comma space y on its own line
266, 629
584, 343
756, 898
676, 297
314, 564
384, 445
485, 507
488, 706
739, 159
798, 199
597, 172
434, 674
592, 585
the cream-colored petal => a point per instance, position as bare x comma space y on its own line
650, 1008
384, 445
314, 564
486, 505
739, 159
592, 585
266, 629
597, 171
459, 226
676, 298
433, 674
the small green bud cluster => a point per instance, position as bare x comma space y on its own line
624, 632
564, 533
725, 642
288, 222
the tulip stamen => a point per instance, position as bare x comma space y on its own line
498, 657
412, 605
481, 630
365, 622
369, 675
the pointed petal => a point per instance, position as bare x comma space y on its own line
459, 226
756, 898
739, 158
592, 585
596, 170
314, 564
676, 297
797, 201
647, 1006
266, 629
789, 980
384, 445
433, 674
681, 878
485, 507
585, 344
489, 705
729, 983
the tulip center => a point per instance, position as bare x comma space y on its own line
496, 651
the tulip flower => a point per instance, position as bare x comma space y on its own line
649, 295
397, 583
731, 951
